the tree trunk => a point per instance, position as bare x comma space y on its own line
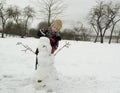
3, 32
101, 36
26, 26
111, 33
101, 39
96, 38
117, 38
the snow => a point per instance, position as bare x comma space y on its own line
84, 67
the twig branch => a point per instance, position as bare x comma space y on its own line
67, 44
26, 47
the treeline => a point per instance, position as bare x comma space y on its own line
13, 29
79, 34
103, 20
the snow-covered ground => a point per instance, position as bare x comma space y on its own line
84, 67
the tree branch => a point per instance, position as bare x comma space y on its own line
67, 44
26, 47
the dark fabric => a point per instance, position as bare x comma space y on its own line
36, 63
36, 52
39, 34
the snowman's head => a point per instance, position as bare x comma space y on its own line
44, 45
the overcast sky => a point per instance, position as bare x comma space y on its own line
77, 10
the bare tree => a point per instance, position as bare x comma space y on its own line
77, 29
80, 31
117, 34
10, 13
3, 16
49, 9
101, 19
17, 16
115, 17
84, 33
2, 19
28, 13
96, 31
104, 17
